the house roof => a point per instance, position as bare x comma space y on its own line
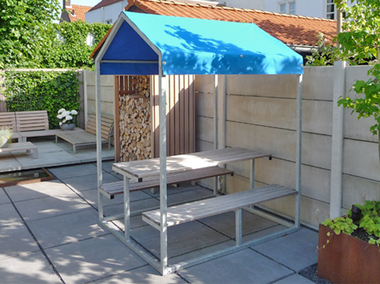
104, 3
290, 29
79, 11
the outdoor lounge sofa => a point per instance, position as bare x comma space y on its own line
25, 124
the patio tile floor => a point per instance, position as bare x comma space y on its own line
49, 234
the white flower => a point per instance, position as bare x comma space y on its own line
63, 121
59, 116
69, 117
74, 112
60, 123
65, 113
61, 110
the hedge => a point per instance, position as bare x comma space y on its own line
41, 90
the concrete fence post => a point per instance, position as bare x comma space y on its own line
336, 185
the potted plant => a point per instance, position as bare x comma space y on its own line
349, 251
5, 136
67, 119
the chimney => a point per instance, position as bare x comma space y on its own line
67, 4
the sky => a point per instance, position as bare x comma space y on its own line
85, 2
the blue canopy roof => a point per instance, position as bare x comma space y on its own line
140, 43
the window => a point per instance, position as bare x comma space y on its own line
292, 8
330, 9
288, 7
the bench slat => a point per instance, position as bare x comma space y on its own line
32, 120
204, 208
114, 188
146, 168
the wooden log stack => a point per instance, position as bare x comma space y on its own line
135, 120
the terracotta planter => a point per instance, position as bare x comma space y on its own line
346, 259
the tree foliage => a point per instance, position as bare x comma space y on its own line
361, 37
29, 36
73, 51
24, 25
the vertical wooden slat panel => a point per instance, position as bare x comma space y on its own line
187, 150
171, 115
192, 114
182, 116
116, 118
156, 114
177, 113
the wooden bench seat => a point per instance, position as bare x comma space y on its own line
28, 146
114, 188
88, 137
205, 208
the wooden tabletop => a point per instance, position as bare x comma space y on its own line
137, 170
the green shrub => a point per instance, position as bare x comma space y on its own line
40, 90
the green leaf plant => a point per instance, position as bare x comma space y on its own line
369, 221
361, 38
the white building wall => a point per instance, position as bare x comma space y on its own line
311, 8
108, 14
247, 4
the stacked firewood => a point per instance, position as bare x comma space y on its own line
135, 122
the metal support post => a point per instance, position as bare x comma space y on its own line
298, 153
216, 83
127, 210
238, 227
163, 185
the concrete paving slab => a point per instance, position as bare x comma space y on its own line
142, 275
9, 215
143, 204
189, 195
47, 147
107, 166
182, 239
37, 190
224, 245
225, 223
294, 279
296, 251
15, 239
46, 159
81, 183
31, 269
136, 222
89, 155
9, 163
91, 196
46, 207
93, 259
245, 266
67, 228
74, 171
3, 197
175, 190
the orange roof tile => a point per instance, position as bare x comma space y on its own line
290, 29
79, 11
